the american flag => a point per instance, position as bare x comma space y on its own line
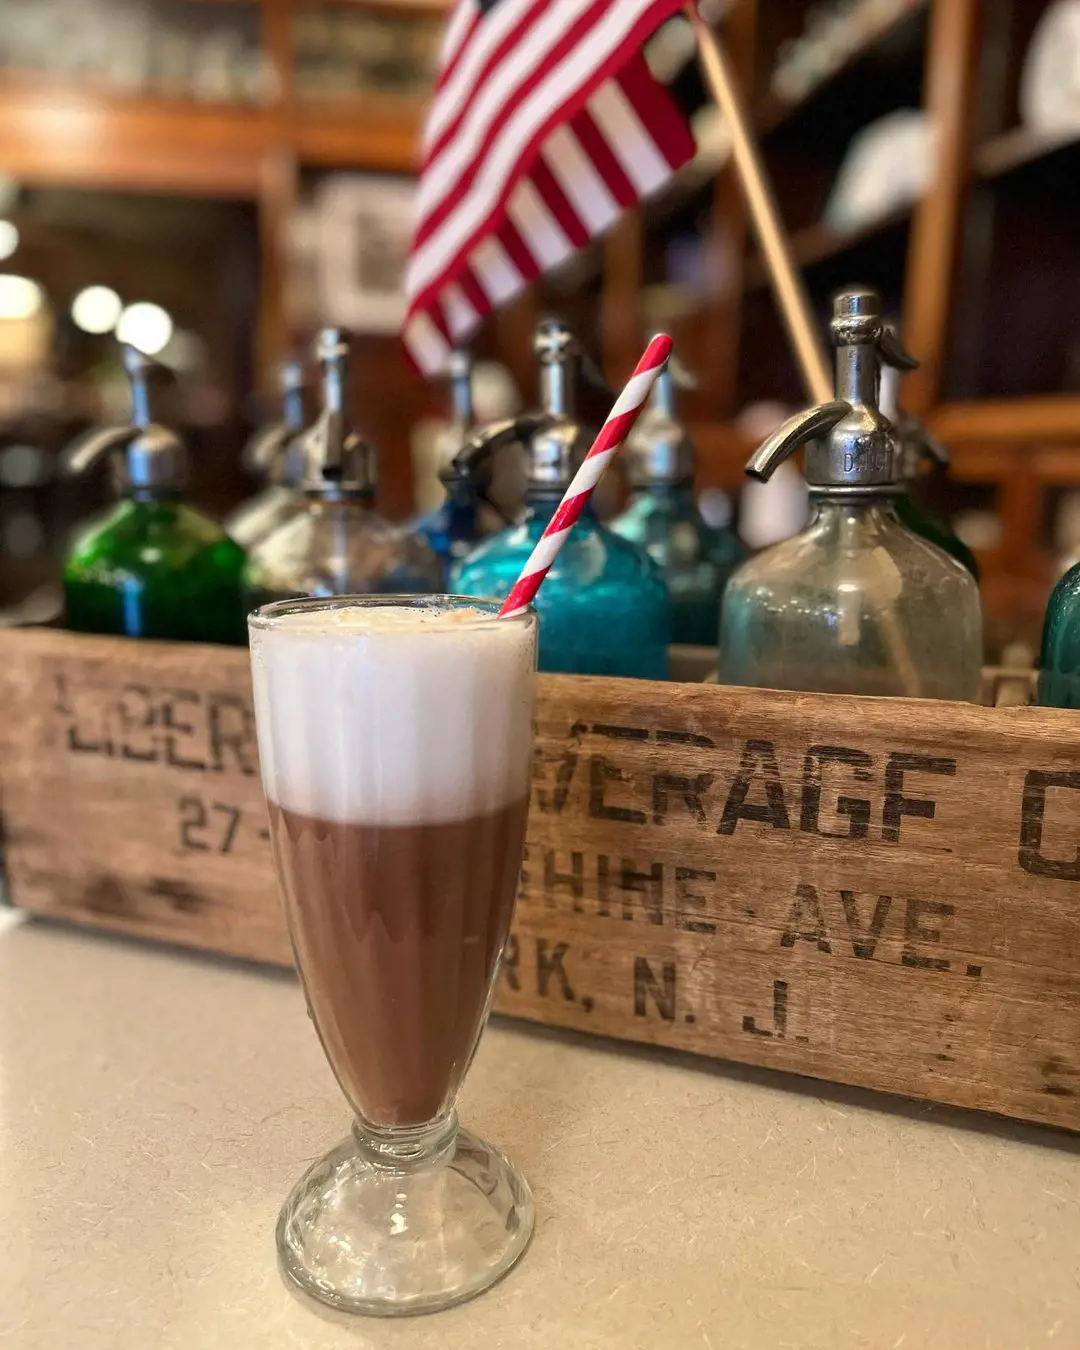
546, 124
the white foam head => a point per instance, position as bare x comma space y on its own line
394, 714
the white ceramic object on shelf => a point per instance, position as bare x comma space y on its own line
888, 165
1050, 82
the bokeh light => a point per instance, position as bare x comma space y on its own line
20, 298
145, 326
97, 309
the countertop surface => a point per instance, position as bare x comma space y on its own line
155, 1107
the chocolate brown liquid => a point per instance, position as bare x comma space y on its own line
397, 931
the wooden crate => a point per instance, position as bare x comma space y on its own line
873, 891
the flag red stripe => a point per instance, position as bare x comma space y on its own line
557, 202
600, 152
606, 70
513, 40
520, 254
576, 35
439, 319
660, 115
473, 291
446, 74
469, 196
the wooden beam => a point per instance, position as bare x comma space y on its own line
277, 205
951, 65
279, 189
725, 244
1053, 417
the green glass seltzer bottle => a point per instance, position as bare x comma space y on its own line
152, 566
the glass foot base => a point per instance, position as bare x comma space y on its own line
367, 1235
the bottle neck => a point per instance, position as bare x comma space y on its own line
825, 509
461, 404
294, 411
156, 496
140, 401
557, 389
663, 397
857, 373
334, 388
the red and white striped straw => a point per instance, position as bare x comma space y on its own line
613, 433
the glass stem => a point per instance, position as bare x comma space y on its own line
404, 1148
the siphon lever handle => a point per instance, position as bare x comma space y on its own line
893, 352
790, 435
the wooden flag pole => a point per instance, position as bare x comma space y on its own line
795, 307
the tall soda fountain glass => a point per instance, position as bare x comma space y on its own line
395, 735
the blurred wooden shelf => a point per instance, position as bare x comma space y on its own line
1045, 418
773, 112
366, 131
1058, 464
1020, 147
417, 7
821, 243
977, 462
54, 136
721, 451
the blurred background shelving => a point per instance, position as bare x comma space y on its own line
209, 160
980, 262
167, 150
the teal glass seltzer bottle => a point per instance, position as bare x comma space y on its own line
152, 566
1059, 657
662, 516
603, 606
856, 603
